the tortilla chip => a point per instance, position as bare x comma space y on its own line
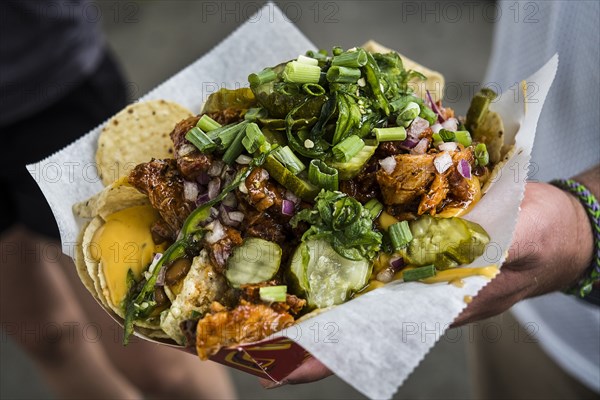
81, 266
135, 135
118, 196
89, 257
434, 82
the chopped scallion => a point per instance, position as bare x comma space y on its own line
254, 138
374, 207
389, 134
352, 59
481, 155
419, 273
446, 135
348, 148
199, 139
343, 74
400, 234
207, 124
301, 73
314, 89
225, 135
272, 294
236, 147
265, 76
408, 114
337, 50
307, 60
286, 156
322, 175
463, 137
437, 138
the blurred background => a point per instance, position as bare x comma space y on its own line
154, 39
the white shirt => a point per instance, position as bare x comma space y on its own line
567, 142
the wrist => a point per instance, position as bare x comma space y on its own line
586, 258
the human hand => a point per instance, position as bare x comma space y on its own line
551, 249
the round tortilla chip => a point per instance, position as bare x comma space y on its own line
81, 266
89, 260
135, 135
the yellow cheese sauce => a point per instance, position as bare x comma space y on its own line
449, 275
125, 242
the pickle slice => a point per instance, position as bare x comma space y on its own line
256, 260
444, 242
324, 276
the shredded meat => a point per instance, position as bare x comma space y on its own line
437, 194
245, 323
262, 193
161, 231
190, 161
410, 179
226, 116
161, 182
220, 251
251, 293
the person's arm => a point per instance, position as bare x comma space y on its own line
552, 248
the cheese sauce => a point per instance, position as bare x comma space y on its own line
125, 242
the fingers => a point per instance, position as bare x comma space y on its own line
310, 371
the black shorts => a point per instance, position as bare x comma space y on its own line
27, 141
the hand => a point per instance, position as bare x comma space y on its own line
551, 249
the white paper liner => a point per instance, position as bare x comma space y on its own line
375, 341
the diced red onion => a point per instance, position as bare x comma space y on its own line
230, 200
448, 146
215, 232
464, 168
214, 187
421, 147
215, 168
435, 108
287, 208
450, 124
226, 217
264, 175
186, 149
155, 261
289, 195
160, 279
190, 190
388, 164
409, 143
203, 178
397, 263
417, 127
442, 162
243, 159
226, 171
436, 127
242, 188
385, 275
236, 216
203, 198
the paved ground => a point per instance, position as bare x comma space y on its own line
154, 39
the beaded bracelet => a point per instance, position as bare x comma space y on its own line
592, 276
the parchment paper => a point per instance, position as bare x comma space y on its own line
375, 341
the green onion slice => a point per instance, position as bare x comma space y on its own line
481, 155
463, 137
286, 156
374, 207
343, 74
314, 89
271, 294
265, 76
297, 72
352, 59
446, 135
254, 138
400, 234
207, 124
348, 148
389, 134
419, 273
201, 140
322, 175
